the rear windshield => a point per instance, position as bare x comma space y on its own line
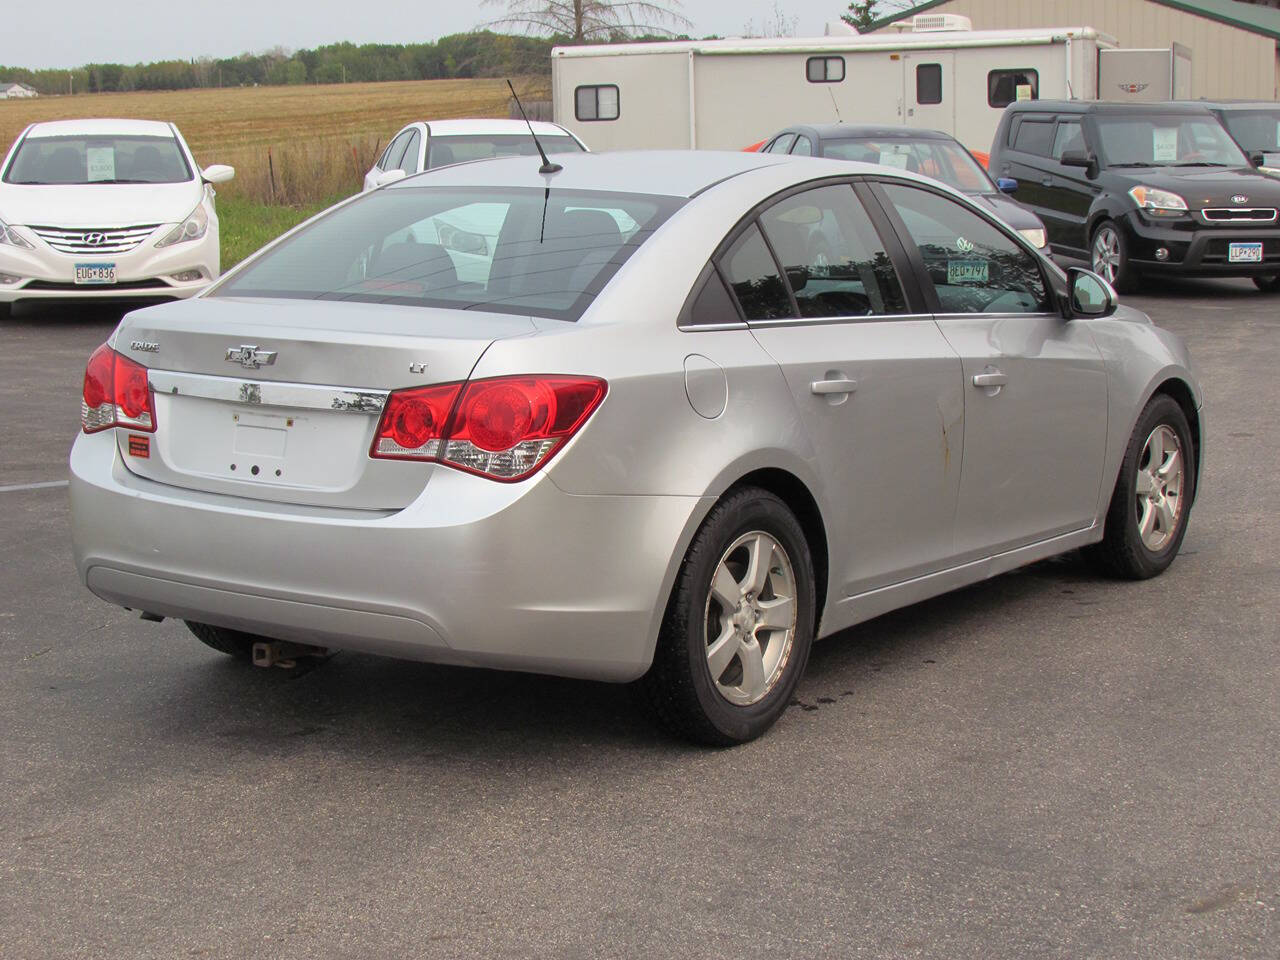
943, 160
81, 160
1255, 130
510, 250
1175, 141
443, 150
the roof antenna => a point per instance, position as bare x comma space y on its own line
547, 165
835, 106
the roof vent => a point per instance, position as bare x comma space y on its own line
935, 23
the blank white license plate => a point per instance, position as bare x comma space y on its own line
100, 273
1244, 253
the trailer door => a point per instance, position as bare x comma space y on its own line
929, 90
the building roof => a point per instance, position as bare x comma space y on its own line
1246, 16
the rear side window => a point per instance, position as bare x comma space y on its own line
1007, 86
974, 267
596, 102
754, 279
803, 148
825, 69
929, 83
782, 144
834, 261
1034, 136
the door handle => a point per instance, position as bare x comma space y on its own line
822, 387
996, 379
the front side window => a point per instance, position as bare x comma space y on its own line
1179, 141
409, 162
442, 150
1068, 137
825, 69
834, 261
500, 249
782, 144
1007, 86
974, 267
596, 102
392, 159
803, 148
98, 159
929, 83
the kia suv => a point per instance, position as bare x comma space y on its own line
1142, 189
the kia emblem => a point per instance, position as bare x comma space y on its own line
1239, 198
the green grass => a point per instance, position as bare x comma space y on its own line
245, 225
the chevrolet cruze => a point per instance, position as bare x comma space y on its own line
651, 441
106, 210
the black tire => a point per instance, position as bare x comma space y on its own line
1267, 284
5, 310
1122, 552
679, 692
1121, 274
231, 642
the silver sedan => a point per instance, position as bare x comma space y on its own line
661, 418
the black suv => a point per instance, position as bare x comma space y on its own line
1255, 125
1142, 188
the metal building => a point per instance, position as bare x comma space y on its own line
1234, 45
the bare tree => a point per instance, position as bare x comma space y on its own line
586, 21
777, 25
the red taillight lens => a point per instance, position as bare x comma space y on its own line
116, 393
505, 428
413, 422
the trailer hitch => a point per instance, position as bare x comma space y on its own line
282, 653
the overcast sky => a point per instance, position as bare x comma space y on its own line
66, 33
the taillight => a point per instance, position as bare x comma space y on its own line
116, 394
504, 428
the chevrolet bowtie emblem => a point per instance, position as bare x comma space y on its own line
248, 355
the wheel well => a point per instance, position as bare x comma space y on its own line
791, 490
1181, 393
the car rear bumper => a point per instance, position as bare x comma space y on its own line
512, 576
1200, 252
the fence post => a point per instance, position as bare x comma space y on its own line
271, 173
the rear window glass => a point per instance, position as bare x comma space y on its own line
105, 159
1034, 136
499, 249
445, 150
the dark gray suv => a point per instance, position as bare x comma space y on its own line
1142, 189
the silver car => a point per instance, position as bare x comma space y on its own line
649, 441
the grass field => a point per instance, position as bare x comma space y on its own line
321, 139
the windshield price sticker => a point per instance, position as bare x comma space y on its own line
1164, 144
101, 162
893, 157
967, 271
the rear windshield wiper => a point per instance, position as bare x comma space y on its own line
1136, 163
1199, 163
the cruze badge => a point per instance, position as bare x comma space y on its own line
248, 355
1239, 198
146, 346
95, 239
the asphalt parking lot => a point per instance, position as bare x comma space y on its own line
1044, 765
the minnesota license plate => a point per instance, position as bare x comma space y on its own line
1244, 253
98, 273
967, 271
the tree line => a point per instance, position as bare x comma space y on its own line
461, 55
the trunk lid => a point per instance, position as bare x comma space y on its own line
278, 400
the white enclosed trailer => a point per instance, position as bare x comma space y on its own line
729, 94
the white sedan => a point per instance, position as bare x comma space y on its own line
438, 143
106, 209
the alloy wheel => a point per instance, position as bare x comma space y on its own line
750, 618
1106, 254
1158, 488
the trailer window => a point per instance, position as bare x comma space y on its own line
929, 83
825, 69
1006, 86
596, 102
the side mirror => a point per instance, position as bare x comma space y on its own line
218, 173
1081, 158
1007, 185
389, 176
1089, 295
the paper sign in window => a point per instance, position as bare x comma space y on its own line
1164, 144
101, 162
893, 158
1022, 91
